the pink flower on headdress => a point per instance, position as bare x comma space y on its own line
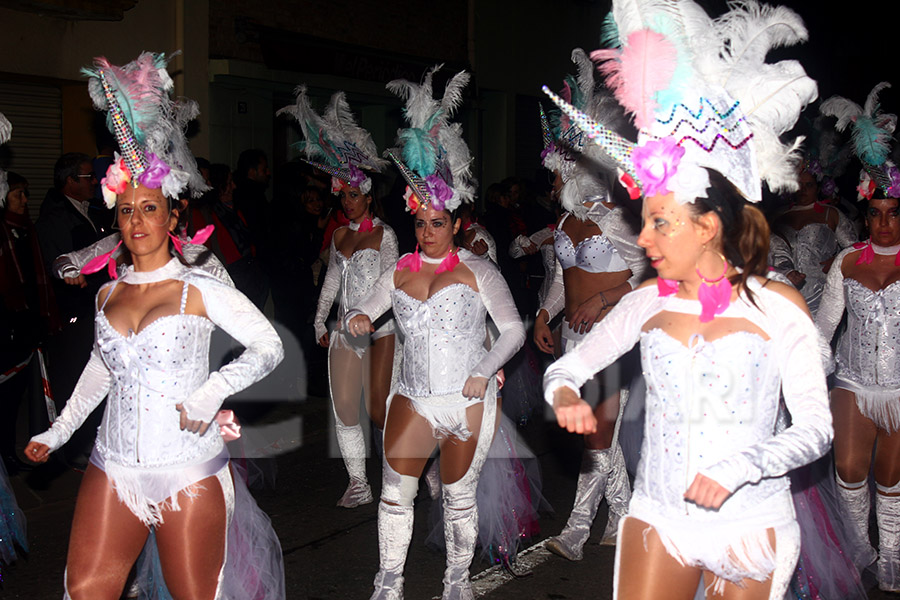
412, 201
550, 149
336, 184
440, 191
894, 190
655, 162
357, 177
156, 171
866, 187
828, 187
117, 179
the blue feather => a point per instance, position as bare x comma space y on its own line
609, 33
419, 151
872, 143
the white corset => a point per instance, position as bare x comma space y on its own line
443, 339
867, 352
358, 274
810, 246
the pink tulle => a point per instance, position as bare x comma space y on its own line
666, 287
449, 263
636, 73
714, 299
104, 260
411, 261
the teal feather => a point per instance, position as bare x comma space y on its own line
674, 94
419, 151
872, 142
609, 33
577, 96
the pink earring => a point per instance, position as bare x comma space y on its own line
714, 294
176, 241
412, 261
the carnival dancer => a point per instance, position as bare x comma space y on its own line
719, 342
156, 464
360, 252
441, 295
597, 262
808, 235
865, 398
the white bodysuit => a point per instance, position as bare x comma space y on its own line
711, 408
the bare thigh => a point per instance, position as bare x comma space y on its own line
377, 372
191, 543
408, 439
105, 542
456, 454
854, 437
650, 573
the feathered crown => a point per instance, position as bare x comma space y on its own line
826, 157
702, 95
345, 150
585, 168
871, 138
5, 133
433, 157
149, 127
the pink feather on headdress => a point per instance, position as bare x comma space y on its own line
566, 94
636, 73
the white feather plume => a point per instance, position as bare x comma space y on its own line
5, 129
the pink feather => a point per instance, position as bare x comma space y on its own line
104, 260
636, 73
204, 234
566, 94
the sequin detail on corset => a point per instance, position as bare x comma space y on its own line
867, 352
154, 370
594, 254
703, 403
443, 339
358, 274
810, 246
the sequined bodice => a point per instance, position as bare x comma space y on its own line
868, 352
358, 274
810, 246
443, 339
704, 402
594, 254
152, 371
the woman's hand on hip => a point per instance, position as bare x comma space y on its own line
572, 413
475, 387
186, 424
360, 325
706, 493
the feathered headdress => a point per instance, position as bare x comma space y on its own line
584, 168
702, 95
5, 133
871, 137
149, 127
826, 157
342, 148
433, 157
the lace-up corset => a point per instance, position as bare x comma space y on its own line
443, 339
811, 245
867, 352
705, 402
152, 371
358, 274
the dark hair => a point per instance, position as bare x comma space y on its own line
15, 180
249, 159
67, 166
218, 177
745, 232
202, 163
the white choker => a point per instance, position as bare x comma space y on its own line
171, 270
434, 261
885, 250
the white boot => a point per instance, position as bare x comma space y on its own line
854, 499
460, 536
618, 496
352, 443
592, 481
395, 526
887, 513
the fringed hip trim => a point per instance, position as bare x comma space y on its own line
447, 413
148, 493
878, 404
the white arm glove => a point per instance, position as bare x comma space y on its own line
389, 252
831, 307
330, 288
500, 306
239, 318
555, 301
92, 387
69, 265
780, 258
623, 238
613, 336
516, 247
845, 233
806, 397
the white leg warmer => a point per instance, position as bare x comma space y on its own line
854, 499
887, 513
592, 481
395, 527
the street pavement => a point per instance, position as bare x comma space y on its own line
331, 553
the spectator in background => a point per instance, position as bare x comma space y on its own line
27, 314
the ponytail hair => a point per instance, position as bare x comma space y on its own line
745, 231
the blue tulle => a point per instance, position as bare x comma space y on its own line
12, 521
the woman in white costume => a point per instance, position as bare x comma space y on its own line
597, 262
865, 398
441, 295
360, 252
157, 463
719, 342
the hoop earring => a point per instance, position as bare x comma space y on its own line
714, 294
